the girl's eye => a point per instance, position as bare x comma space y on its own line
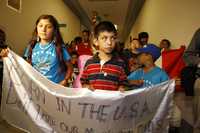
40, 25
49, 26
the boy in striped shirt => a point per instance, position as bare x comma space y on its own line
105, 70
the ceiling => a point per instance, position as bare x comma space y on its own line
123, 13
112, 10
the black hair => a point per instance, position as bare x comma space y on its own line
74, 53
86, 31
104, 26
143, 35
73, 41
78, 39
3, 35
167, 41
3, 44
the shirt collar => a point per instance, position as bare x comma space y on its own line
96, 57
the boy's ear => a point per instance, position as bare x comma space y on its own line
95, 41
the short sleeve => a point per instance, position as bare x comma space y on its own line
135, 75
164, 77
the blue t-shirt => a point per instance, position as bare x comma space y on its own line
44, 60
153, 77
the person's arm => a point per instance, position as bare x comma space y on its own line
136, 82
68, 65
68, 73
26, 55
84, 85
190, 56
135, 78
164, 76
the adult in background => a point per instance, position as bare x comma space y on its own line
143, 38
192, 59
165, 44
84, 48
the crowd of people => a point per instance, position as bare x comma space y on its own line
111, 65
137, 60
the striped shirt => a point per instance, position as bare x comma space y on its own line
107, 77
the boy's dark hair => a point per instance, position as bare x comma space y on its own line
86, 31
143, 35
168, 42
104, 26
78, 39
74, 53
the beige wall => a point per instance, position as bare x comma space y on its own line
175, 20
19, 26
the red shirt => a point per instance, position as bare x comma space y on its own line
84, 49
108, 77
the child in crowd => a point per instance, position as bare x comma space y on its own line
143, 38
78, 40
71, 47
133, 62
129, 55
125, 56
47, 53
84, 48
74, 61
150, 74
105, 70
165, 44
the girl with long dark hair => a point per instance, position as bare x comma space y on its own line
46, 51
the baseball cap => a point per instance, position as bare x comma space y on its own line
151, 49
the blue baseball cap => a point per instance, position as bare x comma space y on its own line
151, 49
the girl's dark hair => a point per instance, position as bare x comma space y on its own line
104, 26
57, 38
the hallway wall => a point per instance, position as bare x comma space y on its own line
19, 26
175, 20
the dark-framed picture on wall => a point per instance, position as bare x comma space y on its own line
15, 5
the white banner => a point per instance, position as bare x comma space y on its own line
35, 104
